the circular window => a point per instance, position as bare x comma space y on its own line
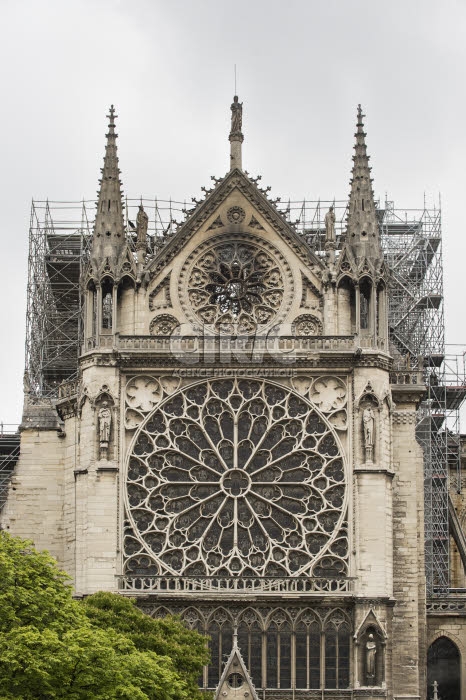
236, 476
235, 680
235, 286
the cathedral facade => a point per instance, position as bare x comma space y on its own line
237, 448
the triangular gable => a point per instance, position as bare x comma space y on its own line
207, 208
235, 680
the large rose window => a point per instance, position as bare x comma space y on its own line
234, 477
235, 286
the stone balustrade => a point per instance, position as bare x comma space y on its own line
173, 585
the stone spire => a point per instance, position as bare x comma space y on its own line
362, 226
236, 137
109, 236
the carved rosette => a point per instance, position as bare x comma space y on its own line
164, 324
235, 477
307, 325
236, 286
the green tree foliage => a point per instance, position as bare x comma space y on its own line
166, 636
52, 646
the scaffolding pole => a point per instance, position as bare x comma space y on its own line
59, 241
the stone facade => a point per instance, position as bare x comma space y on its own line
236, 448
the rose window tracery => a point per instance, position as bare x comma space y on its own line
235, 286
234, 477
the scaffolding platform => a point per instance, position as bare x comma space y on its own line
9, 455
59, 240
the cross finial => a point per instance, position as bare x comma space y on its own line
112, 116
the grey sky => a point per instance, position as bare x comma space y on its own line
167, 66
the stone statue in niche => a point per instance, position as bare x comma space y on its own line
371, 653
236, 115
330, 225
105, 422
368, 420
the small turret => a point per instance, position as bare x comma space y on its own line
112, 262
360, 271
109, 235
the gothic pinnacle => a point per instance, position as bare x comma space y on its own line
362, 227
109, 238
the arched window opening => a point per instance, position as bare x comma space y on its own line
215, 656
443, 666
107, 309
365, 304
307, 660
337, 653
221, 643
250, 646
285, 657
272, 651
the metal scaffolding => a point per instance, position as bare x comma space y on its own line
9, 453
59, 240
412, 243
59, 237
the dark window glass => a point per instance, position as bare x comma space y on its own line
272, 633
443, 666
214, 667
343, 656
107, 310
331, 657
243, 644
256, 656
285, 657
227, 643
301, 657
314, 656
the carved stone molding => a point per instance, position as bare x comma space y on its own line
328, 393
307, 324
207, 208
235, 215
404, 417
217, 223
159, 298
164, 324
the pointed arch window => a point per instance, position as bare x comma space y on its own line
307, 655
107, 310
221, 644
337, 653
444, 666
250, 646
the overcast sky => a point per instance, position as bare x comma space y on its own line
167, 65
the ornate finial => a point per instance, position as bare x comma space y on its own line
236, 137
360, 121
112, 116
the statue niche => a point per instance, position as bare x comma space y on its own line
104, 419
368, 410
371, 658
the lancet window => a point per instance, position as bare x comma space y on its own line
307, 653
